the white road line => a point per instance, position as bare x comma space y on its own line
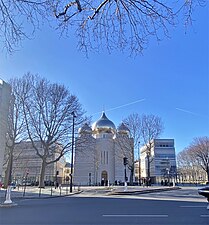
135, 215
204, 216
192, 206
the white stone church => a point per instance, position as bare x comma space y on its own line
100, 152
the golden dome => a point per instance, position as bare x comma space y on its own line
85, 129
123, 129
104, 125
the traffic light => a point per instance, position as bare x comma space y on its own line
125, 161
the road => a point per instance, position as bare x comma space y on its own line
108, 210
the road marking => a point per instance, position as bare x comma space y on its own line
192, 206
135, 215
204, 216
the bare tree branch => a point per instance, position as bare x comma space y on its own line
112, 24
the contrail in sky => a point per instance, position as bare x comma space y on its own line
186, 111
121, 106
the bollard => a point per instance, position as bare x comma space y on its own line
8, 202
125, 186
8, 196
60, 187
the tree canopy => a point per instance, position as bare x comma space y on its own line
44, 110
132, 22
195, 158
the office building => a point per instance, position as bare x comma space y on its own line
162, 161
5, 101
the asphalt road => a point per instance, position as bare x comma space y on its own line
105, 211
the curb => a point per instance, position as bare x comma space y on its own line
143, 191
8, 205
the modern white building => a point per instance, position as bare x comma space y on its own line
162, 160
5, 100
99, 154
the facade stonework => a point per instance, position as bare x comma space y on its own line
27, 163
99, 154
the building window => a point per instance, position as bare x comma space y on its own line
104, 157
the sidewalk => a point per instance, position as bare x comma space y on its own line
50, 192
35, 192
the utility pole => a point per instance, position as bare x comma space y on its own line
71, 166
139, 171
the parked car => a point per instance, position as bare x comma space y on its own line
204, 192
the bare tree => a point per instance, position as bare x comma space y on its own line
48, 110
143, 129
151, 128
183, 164
126, 145
132, 22
199, 150
133, 122
193, 161
14, 17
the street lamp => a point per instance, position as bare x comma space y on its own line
139, 164
71, 166
148, 167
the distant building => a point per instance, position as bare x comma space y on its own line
5, 100
99, 153
162, 161
66, 173
137, 171
27, 163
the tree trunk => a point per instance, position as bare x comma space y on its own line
148, 167
42, 174
8, 172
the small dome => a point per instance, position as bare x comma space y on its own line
85, 129
123, 129
104, 125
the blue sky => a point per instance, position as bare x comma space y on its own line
170, 79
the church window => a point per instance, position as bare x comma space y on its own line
104, 157
107, 158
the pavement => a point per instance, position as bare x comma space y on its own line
50, 192
35, 193
141, 190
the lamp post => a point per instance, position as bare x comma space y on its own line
139, 164
71, 166
148, 168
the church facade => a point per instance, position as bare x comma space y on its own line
100, 151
